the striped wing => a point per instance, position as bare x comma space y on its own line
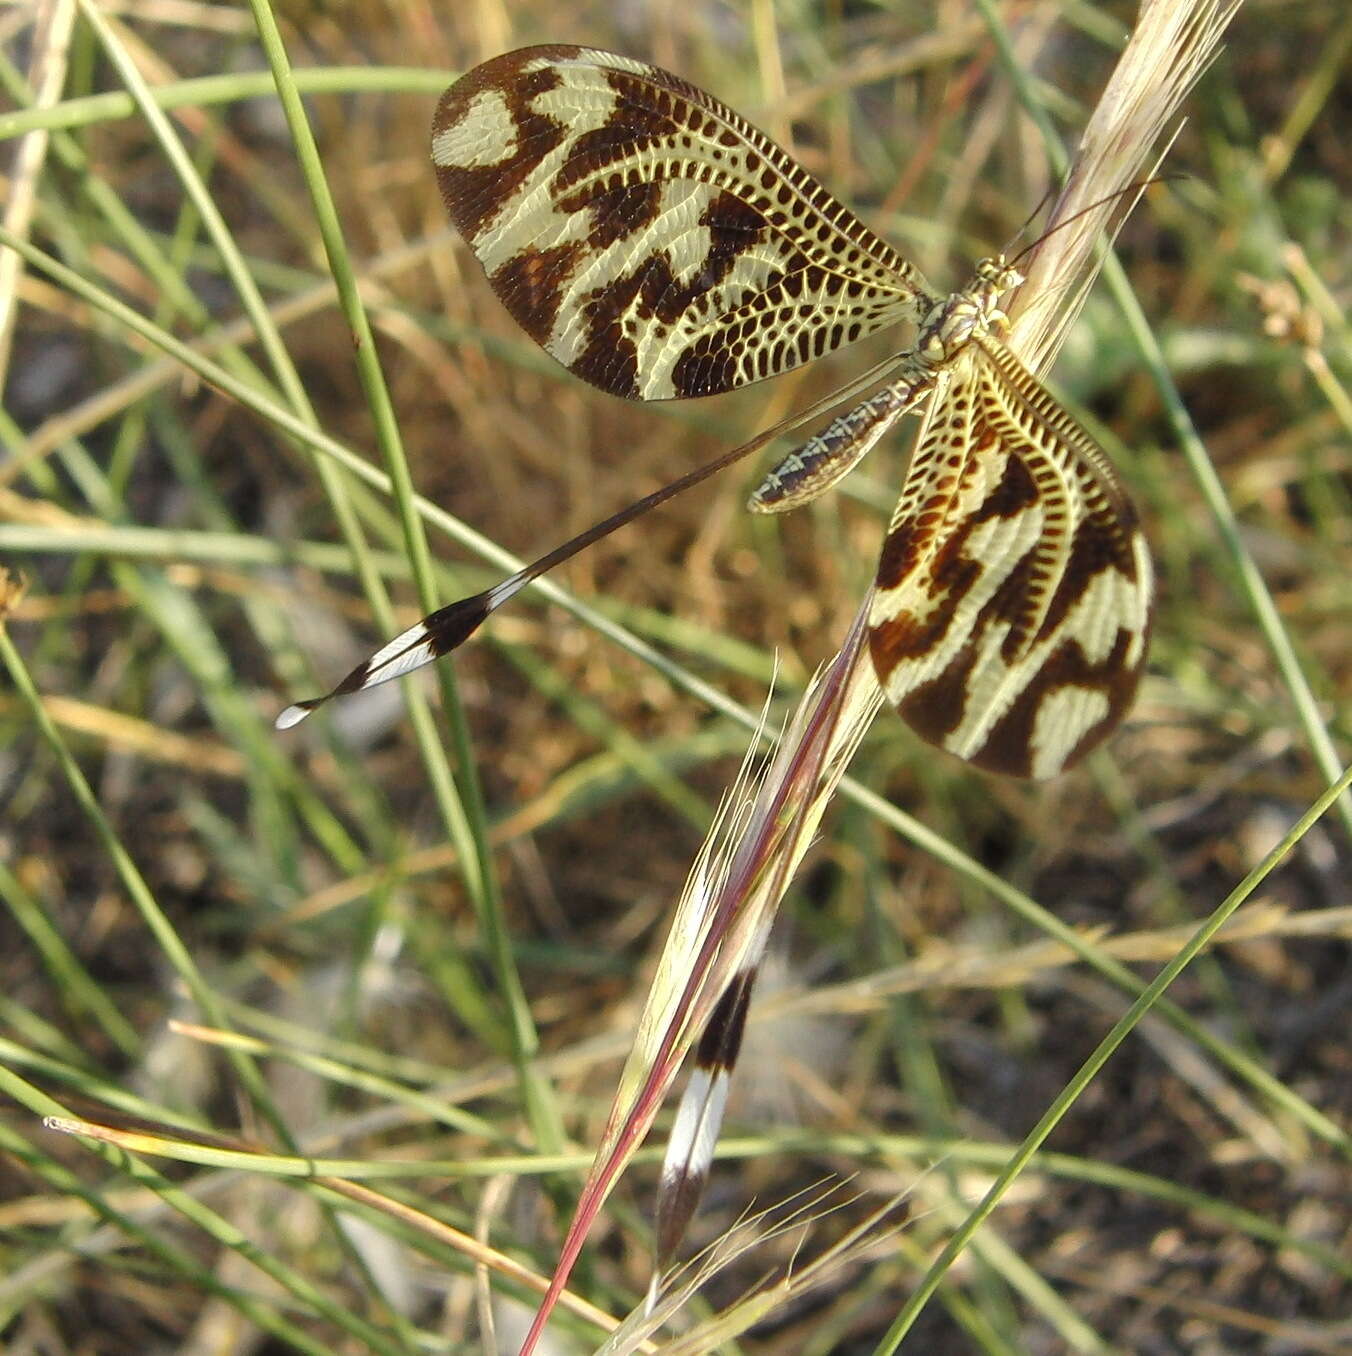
1013, 596
648, 237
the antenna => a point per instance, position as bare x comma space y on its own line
1139, 187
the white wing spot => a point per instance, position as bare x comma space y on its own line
485, 134
1064, 717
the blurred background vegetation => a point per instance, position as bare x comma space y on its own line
395, 946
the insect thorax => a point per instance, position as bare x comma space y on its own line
951, 322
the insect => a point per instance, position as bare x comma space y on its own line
659, 246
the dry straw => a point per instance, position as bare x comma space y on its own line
754, 850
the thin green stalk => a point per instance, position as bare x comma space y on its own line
1000, 1260
215, 1226
75, 1072
463, 813
1090, 1069
198, 649
273, 825
1250, 579
76, 986
204, 91
133, 882
261, 320
247, 289
131, 541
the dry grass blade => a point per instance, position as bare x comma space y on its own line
1169, 48
1171, 44
717, 938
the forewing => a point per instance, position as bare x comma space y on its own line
645, 235
1012, 604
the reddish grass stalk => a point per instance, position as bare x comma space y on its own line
743, 870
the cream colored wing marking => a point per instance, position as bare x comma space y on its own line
1013, 595
648, 237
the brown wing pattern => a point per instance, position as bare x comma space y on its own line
1013, 595
648, 237
658, 245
